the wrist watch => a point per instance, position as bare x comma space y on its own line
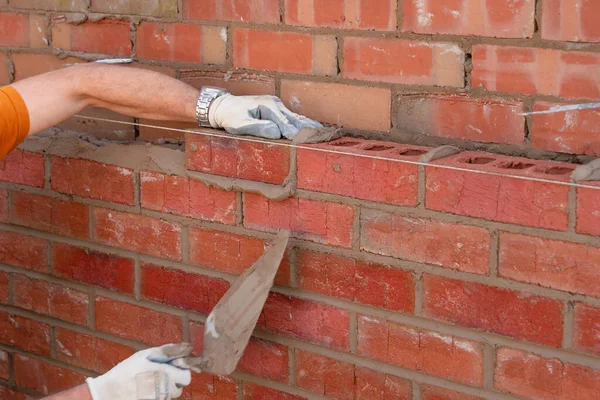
207, 95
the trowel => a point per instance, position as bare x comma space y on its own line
231, 322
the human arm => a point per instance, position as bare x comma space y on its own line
55, 96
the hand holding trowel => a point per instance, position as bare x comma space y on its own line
230, 324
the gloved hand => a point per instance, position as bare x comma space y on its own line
144, 376
262, 116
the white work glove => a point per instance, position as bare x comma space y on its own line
262, 116
146, 375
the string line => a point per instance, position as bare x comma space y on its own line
344, 153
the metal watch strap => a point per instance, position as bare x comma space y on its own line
207, 95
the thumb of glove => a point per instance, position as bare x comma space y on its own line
170, 352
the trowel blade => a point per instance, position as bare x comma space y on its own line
232, 321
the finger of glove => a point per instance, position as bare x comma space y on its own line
255, 127
272, 113
299, 121
175, 393
178, 376
170, 352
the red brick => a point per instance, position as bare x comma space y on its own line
27, 65
155, 8
9, 394
296, 52
4, 368
3, 205
89, 352
531, 376
459, 247
61, 217
317, 221
307, 320
181, 43
50, 299
4, 295
498, 198
93, 268
4, 72
403, 61
108, 36
254, 11
23, 168
266, 359
44, 377
307, 98
359, 177
138, 233
231, 253
371, 384
254, 392
587, 329
495, 18
462, 117
80, 178
372, 284
570, 267
22, 30
23, 251
188, 197
573, 21
348, 14
26, 334
429, 392
324, 376
169, 42
173, 287
238, 159
506, 312
51, 5
570, 74
573, 132
588, 204
205, 386
426, 351
138, 323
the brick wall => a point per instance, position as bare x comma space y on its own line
454, 71
401, 282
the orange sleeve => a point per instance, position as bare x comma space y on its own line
14, 120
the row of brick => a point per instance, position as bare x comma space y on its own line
495, 68
392, 181
538, 319
448, 245
422, 350
446, 116
561, 19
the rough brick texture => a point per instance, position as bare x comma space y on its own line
534, 377
460, 247
470, 17
422, 350
462, 117
400, 281
531, 71
571, 21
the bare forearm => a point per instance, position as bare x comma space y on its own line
51, 98
80, 392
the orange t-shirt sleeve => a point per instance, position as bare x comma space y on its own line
14, 120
